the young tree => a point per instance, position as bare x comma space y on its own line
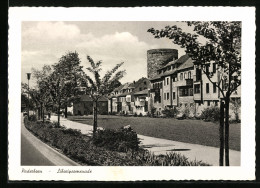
70, 70
41, 95
223, 47
97, 87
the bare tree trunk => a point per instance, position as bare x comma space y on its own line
43, 115
227, 131
39, 113
94, 117
66, 111
221, 134
59, 114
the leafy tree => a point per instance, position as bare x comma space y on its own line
223, 47
71, 72
97, 87
41, 95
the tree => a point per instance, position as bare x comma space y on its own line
70, 70
223, 47
97, 87
41, 95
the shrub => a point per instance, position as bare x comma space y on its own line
186, 112
32, 118
122, 139
140, 115
153, 110
169, 113
135, 114
210, 114
69, 114
169, 159
112, 113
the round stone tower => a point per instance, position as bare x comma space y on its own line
157, 58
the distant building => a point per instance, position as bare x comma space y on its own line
85, 106
124, 98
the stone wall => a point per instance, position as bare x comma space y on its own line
157, 58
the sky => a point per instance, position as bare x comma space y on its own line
111, 41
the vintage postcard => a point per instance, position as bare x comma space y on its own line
131, 94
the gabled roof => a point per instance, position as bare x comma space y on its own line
183, 59
125, 86
187, 64
119, 87
125, 94
143, 92
85, 98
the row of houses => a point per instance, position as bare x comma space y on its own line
172, 83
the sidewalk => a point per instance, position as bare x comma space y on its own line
161, 146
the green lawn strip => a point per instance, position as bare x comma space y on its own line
80, 148
189, 131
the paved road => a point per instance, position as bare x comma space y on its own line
162, 146
36, 153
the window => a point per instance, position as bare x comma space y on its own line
168, 96
208, 103
214, 87
160, 84
181, 76
197, 88
140, 89
207, 87
144, 82
185, 75
180, 104
191, 104
216, 103
167, 81
189, 75
191, 92
164, 96
173, 96
214, 67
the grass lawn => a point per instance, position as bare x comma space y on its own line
189, 131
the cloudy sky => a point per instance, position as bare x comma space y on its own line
111, 42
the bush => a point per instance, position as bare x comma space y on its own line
69, 114
135, 114
32, 118
112, 113
169, 159
210, 114
121, 140
170, 113
140, 115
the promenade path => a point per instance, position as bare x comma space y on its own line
162, 146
